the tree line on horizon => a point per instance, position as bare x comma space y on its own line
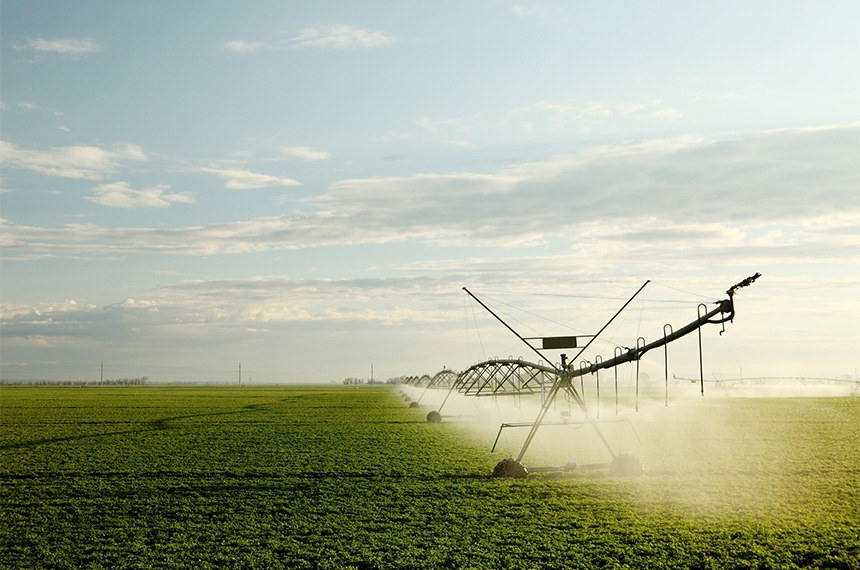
105, 382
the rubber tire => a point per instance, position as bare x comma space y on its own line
626, 465
510, 468
434, 417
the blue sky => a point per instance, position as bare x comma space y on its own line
305, 187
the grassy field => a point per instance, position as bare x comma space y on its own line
341, 477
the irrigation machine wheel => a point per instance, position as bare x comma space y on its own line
626, 465
413, 405
434, 417
510, 468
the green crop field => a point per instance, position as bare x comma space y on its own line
346, 477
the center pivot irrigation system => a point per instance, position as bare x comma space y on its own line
518, 377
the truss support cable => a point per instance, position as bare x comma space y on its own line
507, 326
565, 377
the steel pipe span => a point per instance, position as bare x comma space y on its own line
505, 377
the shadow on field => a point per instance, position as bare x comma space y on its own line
230, 480
386, 476
160, 424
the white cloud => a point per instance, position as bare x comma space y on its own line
661, 199
280, 299
121, 195
545, 295
340, 37
40, 310
238, 303
64, 46
79, 161
244, 179
305, 153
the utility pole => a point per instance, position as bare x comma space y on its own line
102, 375
240, 374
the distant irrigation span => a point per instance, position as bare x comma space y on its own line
493, 377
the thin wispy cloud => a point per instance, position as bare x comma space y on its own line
77, 161
549, 116
567, 110
70, 47
669, 113
341, 37
305, 153
236, 179
338, 37
536, 12
437, 126
30, 106
242, 46
122, 195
